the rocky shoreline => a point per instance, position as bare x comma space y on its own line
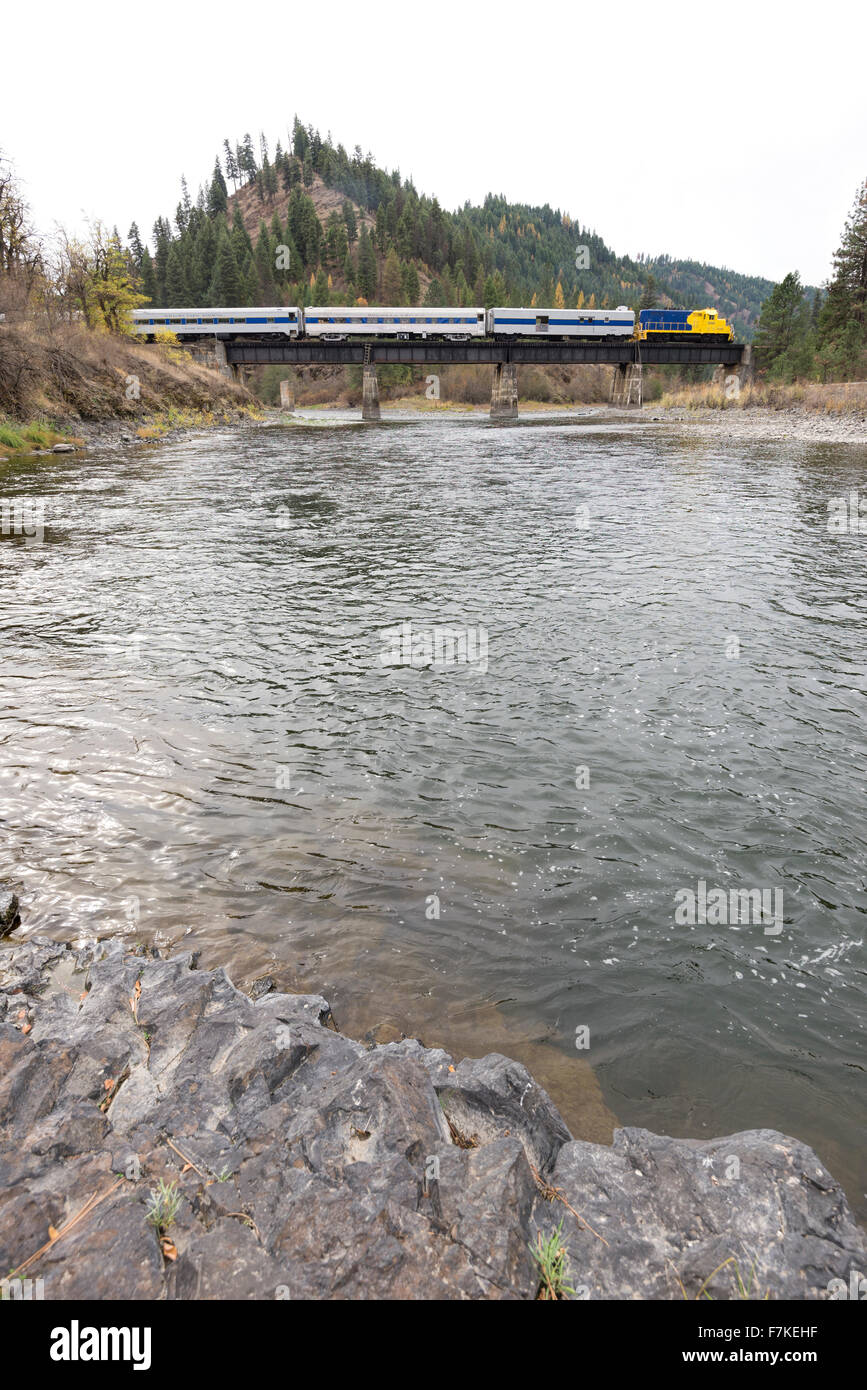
165, 1136
762, 422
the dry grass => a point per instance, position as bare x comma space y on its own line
66, 374
831, 398
458, 385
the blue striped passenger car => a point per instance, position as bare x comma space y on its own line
282, 322
562, 323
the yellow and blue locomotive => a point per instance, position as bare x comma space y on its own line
672, 325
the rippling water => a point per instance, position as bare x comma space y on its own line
201, 745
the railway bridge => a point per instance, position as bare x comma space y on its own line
629, 358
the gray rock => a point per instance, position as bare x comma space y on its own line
307, 1165
673, 1217
63, 449
494, 1097
10, 916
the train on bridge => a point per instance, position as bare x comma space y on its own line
337, 325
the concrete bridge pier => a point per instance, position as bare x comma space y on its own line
222, 360
626, 384
287, 395
743, 373
504, 392
369, 393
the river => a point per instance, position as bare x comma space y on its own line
202, 746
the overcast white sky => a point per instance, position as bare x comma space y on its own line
729, 133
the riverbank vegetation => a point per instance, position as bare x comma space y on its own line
820, 336
825, 398
66, 353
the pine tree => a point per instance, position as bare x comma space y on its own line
148, 279
252, 289
241, 243
435, 296
247, 159
320, 289
649, 295
218, 200
392, 280
411, 287
783, 328
232, 171
225, 289
135, 245
265, 265
366, 274
350, 222
381, 229
177, 290
844, 313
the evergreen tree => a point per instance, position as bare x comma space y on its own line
177, 290
366, 274
265, 265
411, 287
320, 289
435, 295
232, 171
649, 295
844, 314
381, 229
241, 243
350, 222
247, 159
135, 245
392, 280
225, 289
251, 289
783, 327
148, 279
218, 200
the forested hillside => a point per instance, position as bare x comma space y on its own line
311, 223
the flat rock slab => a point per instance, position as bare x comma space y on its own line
301, 1164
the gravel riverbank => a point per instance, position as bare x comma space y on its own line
760, 423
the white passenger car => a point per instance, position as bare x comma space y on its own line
562, 323
221, 323
335, 324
